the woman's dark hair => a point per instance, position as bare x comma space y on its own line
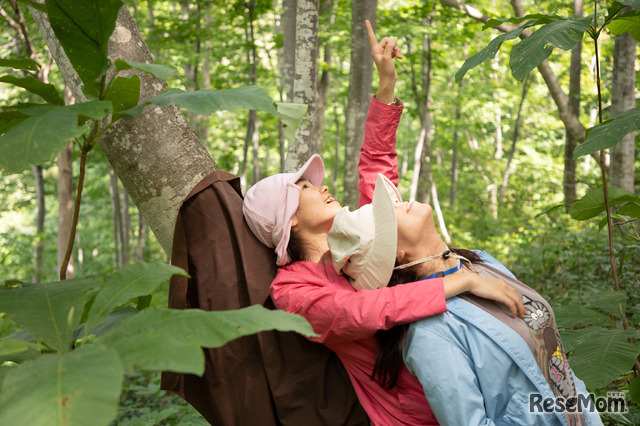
297, 248
389, 360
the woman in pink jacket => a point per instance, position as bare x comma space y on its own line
293, 212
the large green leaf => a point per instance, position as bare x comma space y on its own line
48, 92
628, 22
124, 93
14, 346
572, 338
635, 4
538, 17
573, 314
611, 302
136, 280
592, 204
48, 312
489, 52
83, 29
291, 115
45, 132
634, 390
604, 356
78, 388
630, 209
208, 101
152, 338
164, 72
534, 49
113, 320
20, 63
609, 133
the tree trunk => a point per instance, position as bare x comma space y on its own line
117, 219
252, 121
156, 155
575, 69
623, 99
304, 84
456, 140
288, 62
126, 228
39, 241
359, 94
317, 138
65, 196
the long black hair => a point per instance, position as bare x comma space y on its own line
389, 362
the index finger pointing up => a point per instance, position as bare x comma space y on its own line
372, 37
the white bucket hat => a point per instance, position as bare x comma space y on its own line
364, 243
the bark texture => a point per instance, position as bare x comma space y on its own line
359, 94
304, 84
156, 155
623, 99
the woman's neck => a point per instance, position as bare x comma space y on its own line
316, 247
436, 265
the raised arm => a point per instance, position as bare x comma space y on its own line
378, 152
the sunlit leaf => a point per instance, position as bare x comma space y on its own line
20, 63
291, 115
45, 132
538, 17
164, 72
46, 91
608, 134
604, 356
592, 204
83, 29
136, 280
124, 93
208, 101
489, 52
628, 22
81, 387
48, 312
151, 338
534, 49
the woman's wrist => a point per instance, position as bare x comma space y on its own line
455, 284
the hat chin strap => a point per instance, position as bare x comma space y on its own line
445, 255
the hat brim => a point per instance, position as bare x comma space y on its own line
312, 170
382, 259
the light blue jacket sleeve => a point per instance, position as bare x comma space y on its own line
465, 386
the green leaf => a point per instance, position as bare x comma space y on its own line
113, 320
635, 320
604, 356
534, 49
630, 209
627, 22
83, 29
572, 338
48, 92
553, 208
9, 119
136, 280
608, 134
592, 204
20, 63
635, 4
634, 390
208, 101
151, 339
164, 72
489, 52
37, 6
611, 302
48, 312
124, 93
538, 17
45, 133
574, 314
78, 388
14, 346
291, 115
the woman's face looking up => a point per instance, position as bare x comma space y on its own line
316, 209
415, 223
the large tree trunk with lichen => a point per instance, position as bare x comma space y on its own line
156, 155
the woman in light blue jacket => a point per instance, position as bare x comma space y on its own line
478, 363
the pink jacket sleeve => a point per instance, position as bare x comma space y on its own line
378, 151
341, 314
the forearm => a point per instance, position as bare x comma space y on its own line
386, 90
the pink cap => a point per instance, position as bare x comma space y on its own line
269, 205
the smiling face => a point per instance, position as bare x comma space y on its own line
316, 209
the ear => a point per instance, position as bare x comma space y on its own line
400, 256
294, 221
